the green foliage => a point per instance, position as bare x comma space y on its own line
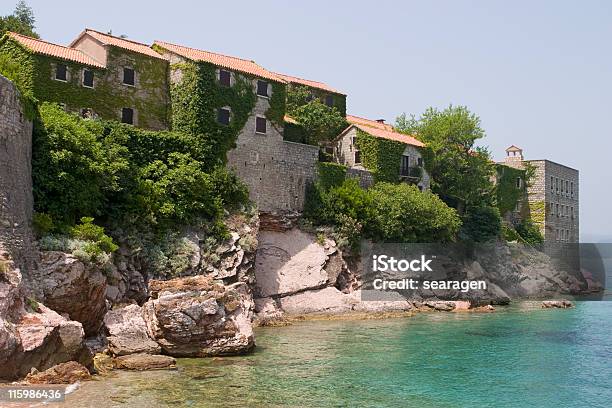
126, 177
196, 98
72, 169
300, 95
461, 172
386, 212
276, 111
481, 224
21, 21
320, 122
99, 241
294, 132
508, 194
331, 174
530, 232
402, 213
35, 78
42, 224
381, 157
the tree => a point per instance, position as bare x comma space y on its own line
320, 122
461, 172
21, 21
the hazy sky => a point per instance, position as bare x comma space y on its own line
538, 73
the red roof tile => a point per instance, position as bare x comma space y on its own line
224, 61
307, 82
53, 50
119, 42
382, 130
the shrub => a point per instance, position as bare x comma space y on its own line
42, 223
530, 232
99, 241
481, 224
331, 175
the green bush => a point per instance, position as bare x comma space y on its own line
481, 224
530, 232
42, 224
99, 242
331, 174
386, 212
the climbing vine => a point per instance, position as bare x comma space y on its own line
381, 157
197, 96
507, 191
108, 96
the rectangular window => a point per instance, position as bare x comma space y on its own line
127, 116
404, 169
557, 210
260, 125
562, 184
262, 88
61, 72
420, 162
519, 182
225, 78
223, 116
329, 100
572, 213
557, 185
357, 157
88, 78
128, 76
552, 184
572, 188
566, 187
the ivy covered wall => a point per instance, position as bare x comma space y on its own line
149, 98
507, 190
380, 156
299, 95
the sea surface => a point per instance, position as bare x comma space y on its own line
519, 356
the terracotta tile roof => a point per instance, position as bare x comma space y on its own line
313, 84
382, 130
223, 61
53, 50
119, 42
368, 122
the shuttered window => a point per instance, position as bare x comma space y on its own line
88, 78
127, 116
128, 76
61, 72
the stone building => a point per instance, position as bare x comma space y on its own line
276, 171
98, 75
325, 93
553, 197
410, 166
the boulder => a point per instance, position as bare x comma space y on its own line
559, 304
440, 305
195, 317
127, 332
32, 335
293, 261
64, 373
327, 301
71, 287
141, 362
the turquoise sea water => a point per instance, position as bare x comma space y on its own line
520, 356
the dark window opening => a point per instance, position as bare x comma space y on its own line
86, 113
127, 116
61, 72
420, 162
88, 78
405, 165
128, 76
225, 78
223, 116
329, 100
357, 157
260, 125
262, 88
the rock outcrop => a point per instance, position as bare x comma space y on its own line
64, 373
31, 334
73, 288
127, 332
195, 317
142, 362
557, 304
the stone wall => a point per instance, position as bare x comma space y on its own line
276, 171
16, 202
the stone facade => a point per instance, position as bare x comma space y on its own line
16, 200
553, 197
346, 153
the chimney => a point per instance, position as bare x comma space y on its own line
381, 121
514, 156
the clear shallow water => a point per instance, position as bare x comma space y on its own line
517, 357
